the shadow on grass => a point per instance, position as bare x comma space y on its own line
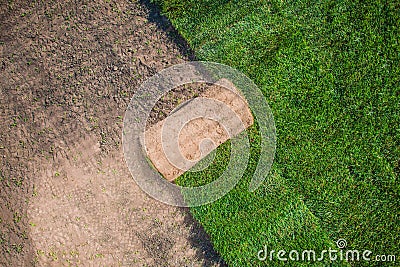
200, 240
165, 25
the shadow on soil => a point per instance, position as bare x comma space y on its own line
199, 238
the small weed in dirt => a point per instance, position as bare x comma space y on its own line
99, 255
53, 255
17, 247
34, 191
17, 181
14, 123
17, 217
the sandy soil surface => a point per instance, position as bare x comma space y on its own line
67, 72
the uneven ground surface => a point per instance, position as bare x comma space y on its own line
67, 71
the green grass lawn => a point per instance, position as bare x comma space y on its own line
330, 71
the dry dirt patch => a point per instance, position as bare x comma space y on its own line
68, 70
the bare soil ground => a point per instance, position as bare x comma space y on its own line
67, 72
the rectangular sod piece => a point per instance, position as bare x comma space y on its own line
192, 133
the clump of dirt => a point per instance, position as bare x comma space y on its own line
68, 72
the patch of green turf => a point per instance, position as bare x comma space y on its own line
330, 71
